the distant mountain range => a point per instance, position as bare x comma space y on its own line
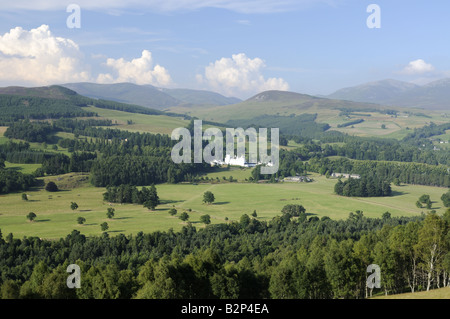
150, 96
432, 96
211, 106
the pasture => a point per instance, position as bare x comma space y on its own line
55, 218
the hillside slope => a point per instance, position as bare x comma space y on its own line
432, 96
274, 103
55, 102
149, 95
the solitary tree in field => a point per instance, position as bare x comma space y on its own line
110, 212
104, 226
208, 197
152, 198
184, 216
293, 210
73, 206
24, 196
81, 220
172, 211
205, 219
425, 199
31, 216
51, 187
446, 199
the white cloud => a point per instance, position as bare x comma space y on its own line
239, 75
417, 67
38, 57
139, 71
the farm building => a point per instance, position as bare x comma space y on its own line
297, 179
344, 175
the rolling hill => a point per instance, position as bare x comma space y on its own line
55, 102
287, 111
40, 103
432, 96
274, 103
53, 91
380, 92
149, 96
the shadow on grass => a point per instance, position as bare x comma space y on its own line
118, 218
397, 193
158, 210
169, 201
116, 231
221, 203
85, 210
42, 220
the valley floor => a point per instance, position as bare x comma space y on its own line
55, 218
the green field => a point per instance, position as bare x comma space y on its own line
55, 219
442, 293
23, 168
395, 126
140, 122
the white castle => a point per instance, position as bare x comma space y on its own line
236, 161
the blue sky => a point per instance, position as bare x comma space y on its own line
236, 48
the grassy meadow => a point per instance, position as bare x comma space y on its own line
441, 293
140, 122
55, 218
327, 112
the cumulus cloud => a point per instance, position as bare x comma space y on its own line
239, 75
417, 67
38, 57
139, 71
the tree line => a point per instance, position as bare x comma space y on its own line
130, 194
363, 187
409, 173
286, 257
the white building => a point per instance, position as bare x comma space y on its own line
337, 175
236, 161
